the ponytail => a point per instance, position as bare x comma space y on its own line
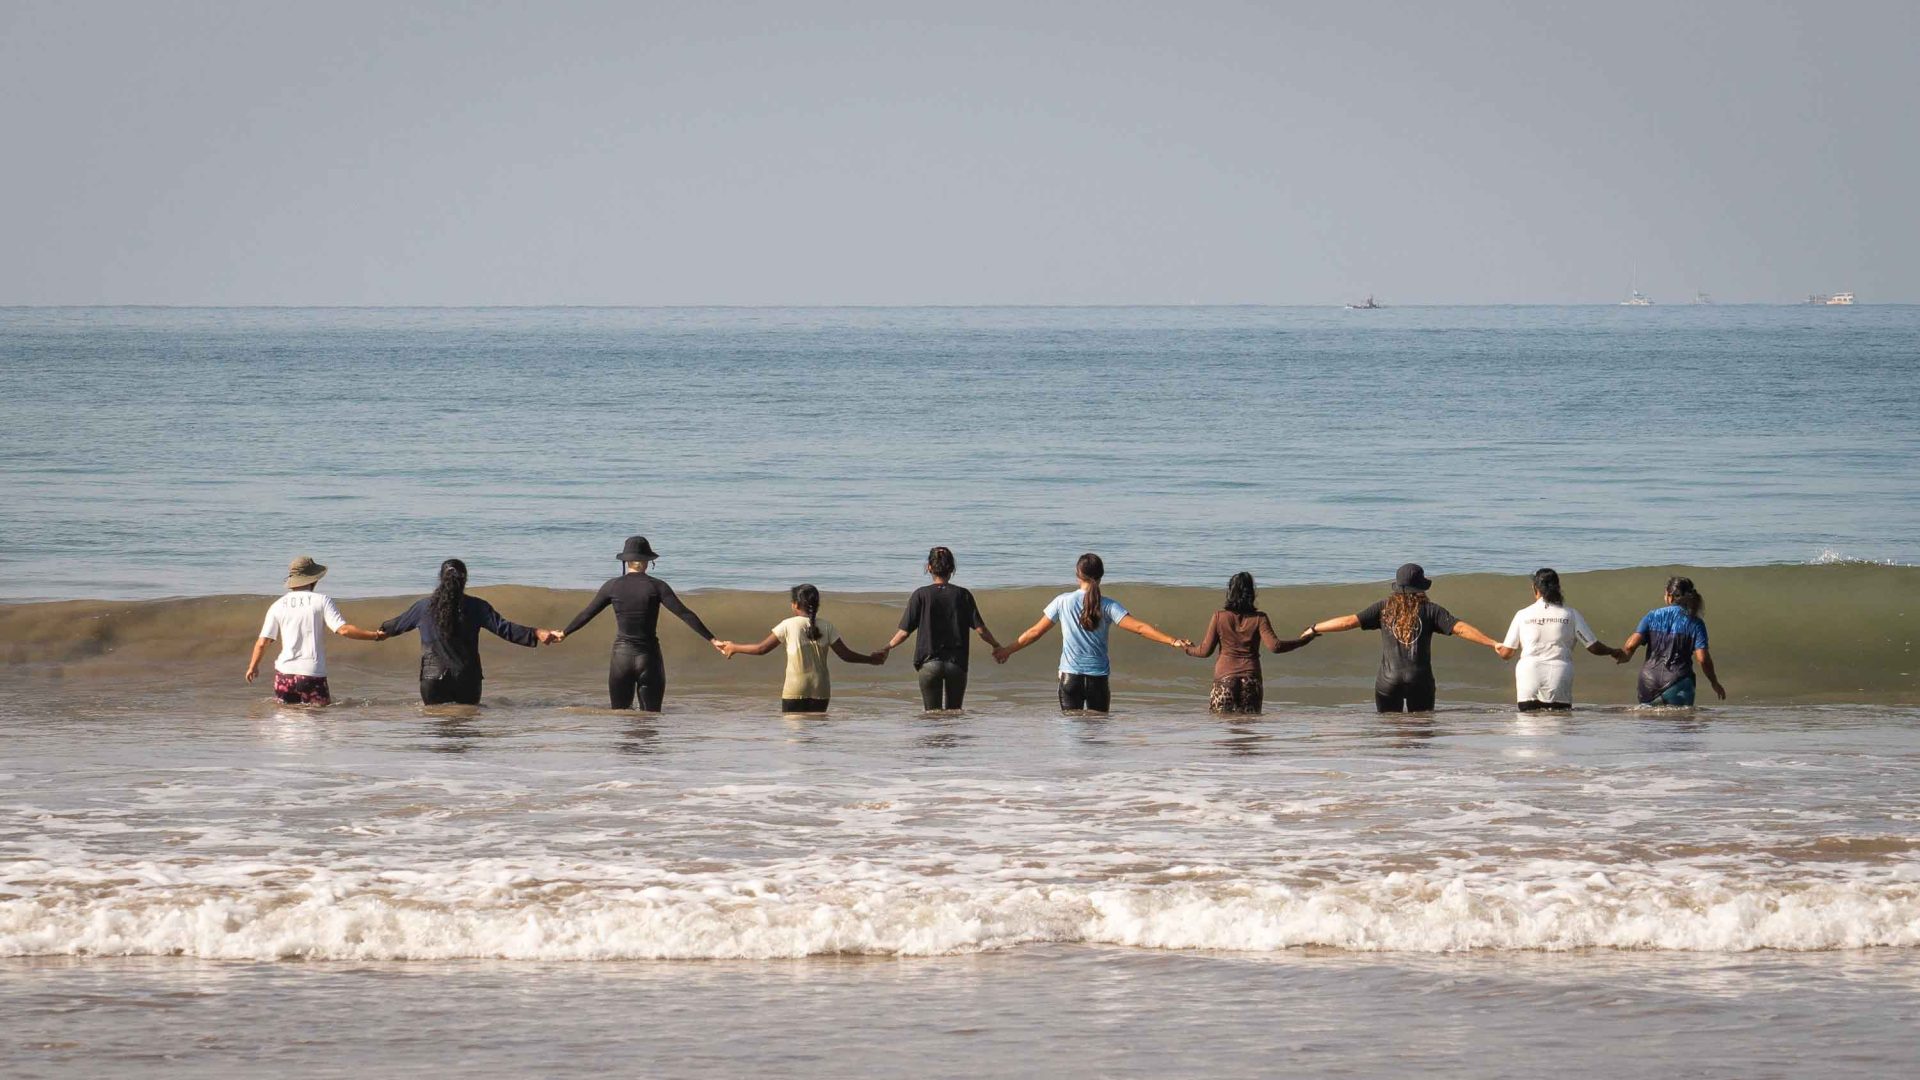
444, 606
807, 599
1681, 591
1092, 607
940, 562
1546, 582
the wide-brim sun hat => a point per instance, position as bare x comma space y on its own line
638, 550
1411, 577
304, 571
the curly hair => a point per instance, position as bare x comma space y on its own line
1401, 616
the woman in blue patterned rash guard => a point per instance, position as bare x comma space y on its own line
1675, 638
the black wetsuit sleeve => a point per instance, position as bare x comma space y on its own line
671, 601
594, 607
1370, 617
1440, 618
492, 622
405, 621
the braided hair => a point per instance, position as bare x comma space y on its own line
807, 599
444, 606
1090, 570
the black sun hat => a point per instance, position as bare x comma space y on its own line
1411, 578
638, 550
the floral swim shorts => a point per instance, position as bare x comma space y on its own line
301, 689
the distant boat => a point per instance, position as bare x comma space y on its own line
1637, 299
1702, 298
1369, 305
1844, 299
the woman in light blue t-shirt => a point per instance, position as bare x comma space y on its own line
1085, 617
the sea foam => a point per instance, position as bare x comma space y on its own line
487, 910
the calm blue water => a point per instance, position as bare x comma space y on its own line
153, 452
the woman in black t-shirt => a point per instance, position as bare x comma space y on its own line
1407, 621
943, 613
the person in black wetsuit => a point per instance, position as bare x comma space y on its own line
450, 622
637, 668
1407, 621
943, 613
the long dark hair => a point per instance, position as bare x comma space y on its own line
1681, 591
940, 562
1401, 616
1240, 593
1546, 582
1090, 570
807, 599
443, 607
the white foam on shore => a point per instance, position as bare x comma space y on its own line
493, 910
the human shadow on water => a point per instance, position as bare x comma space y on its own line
452, 729
639, 738
1409, 731
1242, 738
941, 729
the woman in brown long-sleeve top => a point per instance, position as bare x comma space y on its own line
1238, 631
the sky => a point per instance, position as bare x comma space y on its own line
984, 153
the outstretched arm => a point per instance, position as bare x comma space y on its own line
1601, 648
356, 633
1465, 629
1147, 631
1626, 649
1335, 626
498, 625
1272, 640
1705, 660
671, 601
840, 650
1033, 633
730, 649
1210, 640
986, 635
594, 607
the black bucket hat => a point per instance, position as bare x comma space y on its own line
1411, 578
638, 550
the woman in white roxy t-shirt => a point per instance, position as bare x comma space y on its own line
299, 621
1544, 635
808, 637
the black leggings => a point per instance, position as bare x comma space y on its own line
1087, 692
449, 689
943, 684
1404, 697
1544, 706
803, 704
637, 670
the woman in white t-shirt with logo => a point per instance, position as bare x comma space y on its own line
808, 637
299, 621
1543, 635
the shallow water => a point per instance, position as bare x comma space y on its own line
1021, 889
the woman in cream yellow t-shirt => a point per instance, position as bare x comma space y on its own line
807, 637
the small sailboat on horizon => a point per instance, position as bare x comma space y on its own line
1369, 305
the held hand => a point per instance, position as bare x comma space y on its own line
381, 635
253, 670
1000, 654
1180, 643
726, 648
879, 657
543, 636
1621, 656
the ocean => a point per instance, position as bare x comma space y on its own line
197, 881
